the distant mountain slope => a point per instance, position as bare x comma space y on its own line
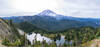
51, 21
27, 27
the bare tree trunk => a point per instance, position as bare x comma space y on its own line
26, 42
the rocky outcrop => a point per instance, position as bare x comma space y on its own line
6, 31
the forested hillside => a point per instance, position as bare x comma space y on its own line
50, 21
78, 36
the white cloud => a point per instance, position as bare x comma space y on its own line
76, 8
81, 8
34, 5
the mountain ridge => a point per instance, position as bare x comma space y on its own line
56, 23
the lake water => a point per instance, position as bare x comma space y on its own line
39, 37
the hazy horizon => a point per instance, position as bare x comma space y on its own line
74, 8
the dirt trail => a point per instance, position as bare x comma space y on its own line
95, 43
1, 44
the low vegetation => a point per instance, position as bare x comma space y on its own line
78, 36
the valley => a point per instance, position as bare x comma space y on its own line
48, 22
48, 29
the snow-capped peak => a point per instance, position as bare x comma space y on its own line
47, 13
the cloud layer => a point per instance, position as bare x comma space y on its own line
81, 8
75, 8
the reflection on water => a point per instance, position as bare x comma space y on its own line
38, 37
31, 37
61, 41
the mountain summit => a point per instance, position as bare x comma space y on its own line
47, 13
50, 21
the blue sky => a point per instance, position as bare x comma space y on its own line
75, 8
